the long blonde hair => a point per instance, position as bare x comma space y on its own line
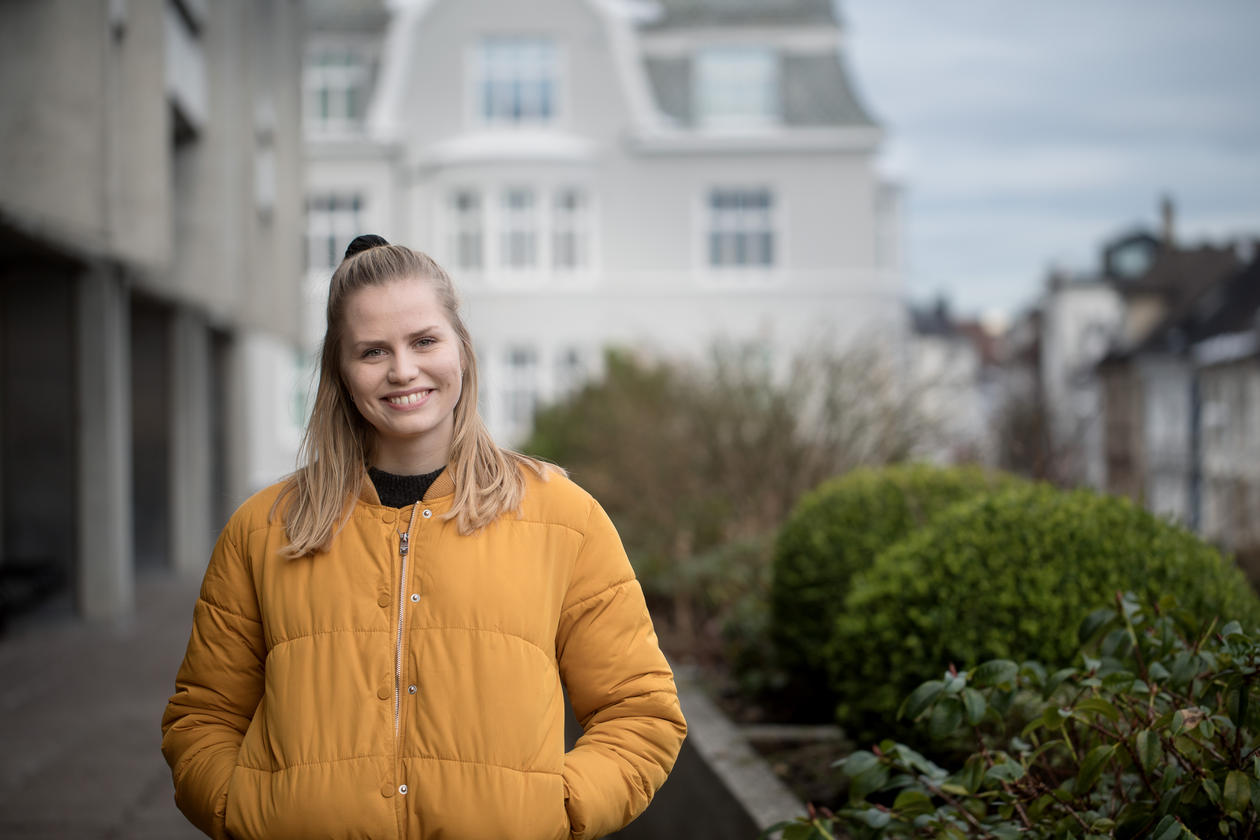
338, 443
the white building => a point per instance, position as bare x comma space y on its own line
602, 172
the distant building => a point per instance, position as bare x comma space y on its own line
597, 172
956, 382
1183, 404
149, 247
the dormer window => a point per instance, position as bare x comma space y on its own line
519, 81
737, 87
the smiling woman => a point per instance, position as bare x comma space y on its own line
382, 639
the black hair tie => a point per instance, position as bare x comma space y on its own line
364, 242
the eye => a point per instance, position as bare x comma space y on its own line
426, 341
371, 352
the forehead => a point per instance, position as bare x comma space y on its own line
404, 303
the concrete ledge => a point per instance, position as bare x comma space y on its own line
720, 787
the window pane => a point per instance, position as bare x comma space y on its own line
741, 228
518, 80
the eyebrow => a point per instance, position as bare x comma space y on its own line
371, 342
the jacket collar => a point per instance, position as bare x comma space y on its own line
443, 485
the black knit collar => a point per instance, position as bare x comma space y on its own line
401, 490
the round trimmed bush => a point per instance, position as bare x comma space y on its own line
835, 531
1010, 575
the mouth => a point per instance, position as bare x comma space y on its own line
411, 398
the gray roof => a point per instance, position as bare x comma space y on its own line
681, 13
347, 15
814, 90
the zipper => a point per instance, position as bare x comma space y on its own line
404, 543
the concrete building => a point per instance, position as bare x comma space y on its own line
150, 190
605, 172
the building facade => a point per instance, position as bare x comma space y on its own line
600, 172
150, 229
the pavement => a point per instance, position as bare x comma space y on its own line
80, 711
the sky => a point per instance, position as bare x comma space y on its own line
1025, 133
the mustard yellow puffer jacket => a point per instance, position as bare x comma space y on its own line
302, 710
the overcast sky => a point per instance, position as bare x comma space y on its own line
1025, 132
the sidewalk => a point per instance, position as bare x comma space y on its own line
80, 708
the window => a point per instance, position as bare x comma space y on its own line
736, 87
519, 82
336, 88
570, 371
332, 220
569, 235
741, 228
466, 226
519, 249
522, 386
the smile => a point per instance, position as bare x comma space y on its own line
407, 400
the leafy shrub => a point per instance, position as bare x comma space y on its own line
836, 531
1155, 733
688, 459
1004, 576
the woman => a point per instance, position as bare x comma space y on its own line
380, 641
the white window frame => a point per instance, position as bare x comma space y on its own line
330, 228
520, 227
736, 222
520, 386
506, 60
337, 81
574, 223
465, 225
737, 86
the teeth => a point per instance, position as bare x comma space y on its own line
409, 399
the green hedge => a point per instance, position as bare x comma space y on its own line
1007, 575
834, 532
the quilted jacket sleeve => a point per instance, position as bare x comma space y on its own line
217, 688
621, 688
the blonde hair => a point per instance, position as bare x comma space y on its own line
319, 496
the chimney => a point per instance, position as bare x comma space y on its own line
1167, 214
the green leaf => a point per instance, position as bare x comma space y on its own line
1091, 767
1148, 748
859, 762
1212, 789
912, 803
1007, 771
1099, 706
875, 818
921, 698
867, 782
973, 705
994, 672
1056, 679
1233, 628
1237, 791
946, 716
1167, 829
799, 831
1091, 625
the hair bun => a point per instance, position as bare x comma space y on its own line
364, 242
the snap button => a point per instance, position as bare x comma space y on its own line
387, 790
427, 513
415, 597
383, 599
402, 789
411, 689
383, 693
390, 517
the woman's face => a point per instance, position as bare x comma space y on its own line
400, 361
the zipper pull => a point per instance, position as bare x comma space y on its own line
403, 539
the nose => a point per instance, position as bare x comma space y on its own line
402, 369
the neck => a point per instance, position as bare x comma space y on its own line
410, 457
